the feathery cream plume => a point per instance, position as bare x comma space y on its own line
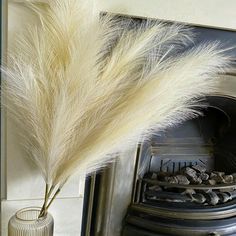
83, 88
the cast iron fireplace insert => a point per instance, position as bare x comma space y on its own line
185, 181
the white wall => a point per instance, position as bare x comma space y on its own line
213, 13
26, 190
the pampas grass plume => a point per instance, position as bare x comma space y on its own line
82, 88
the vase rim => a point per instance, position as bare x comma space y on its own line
28, 209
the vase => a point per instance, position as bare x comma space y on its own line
26, 223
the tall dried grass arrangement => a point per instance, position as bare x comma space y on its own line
82, 89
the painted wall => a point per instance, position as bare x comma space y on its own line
26, 190
214, 13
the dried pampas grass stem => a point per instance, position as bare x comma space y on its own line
83, 89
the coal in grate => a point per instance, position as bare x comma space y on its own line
192, 184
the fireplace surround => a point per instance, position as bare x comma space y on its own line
115, 203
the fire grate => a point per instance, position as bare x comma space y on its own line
206, 188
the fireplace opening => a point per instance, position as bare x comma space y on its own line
185, 177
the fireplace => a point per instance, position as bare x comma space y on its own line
185, 178
180, 182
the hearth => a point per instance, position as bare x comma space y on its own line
185, 181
